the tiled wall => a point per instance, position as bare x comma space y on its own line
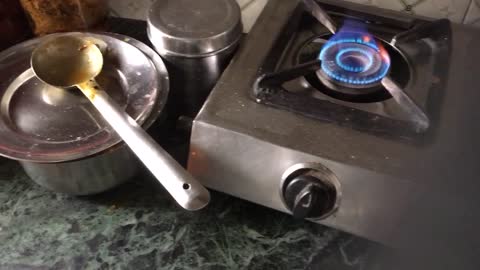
137, 9
462, 11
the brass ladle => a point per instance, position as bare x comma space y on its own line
67, 61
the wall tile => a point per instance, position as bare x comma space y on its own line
467, 11
473, 13
137, 9
250, 11
134, 9
453, 9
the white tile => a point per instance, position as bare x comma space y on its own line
133, 9
473, 13
250, 11
455, 10
137, 9
452, 9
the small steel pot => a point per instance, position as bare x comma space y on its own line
99, 160
85, 176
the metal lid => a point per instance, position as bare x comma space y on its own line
41, 123
193, 27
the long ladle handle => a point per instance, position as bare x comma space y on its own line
187, 191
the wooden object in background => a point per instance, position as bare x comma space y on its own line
49, 16
13, 24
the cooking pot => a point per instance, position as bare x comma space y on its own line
58, 137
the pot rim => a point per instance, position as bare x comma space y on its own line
157, 108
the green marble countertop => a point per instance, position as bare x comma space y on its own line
137, 226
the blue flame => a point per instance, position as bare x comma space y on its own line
353, 56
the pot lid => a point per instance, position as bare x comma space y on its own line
41, 123
192, 27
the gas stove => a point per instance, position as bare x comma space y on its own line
342, 114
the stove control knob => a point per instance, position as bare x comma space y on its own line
308, 196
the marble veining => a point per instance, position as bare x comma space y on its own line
137, 226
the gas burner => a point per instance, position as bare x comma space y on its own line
353, 66
353, 59
356, 62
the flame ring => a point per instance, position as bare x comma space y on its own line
365, 60
370, 62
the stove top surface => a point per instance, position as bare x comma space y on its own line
443, 83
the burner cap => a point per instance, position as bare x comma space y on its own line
353, 60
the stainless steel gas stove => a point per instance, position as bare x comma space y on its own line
343, 114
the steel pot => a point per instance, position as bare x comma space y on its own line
85, 176
75, 151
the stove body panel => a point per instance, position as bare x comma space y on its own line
253, 169
243, 148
